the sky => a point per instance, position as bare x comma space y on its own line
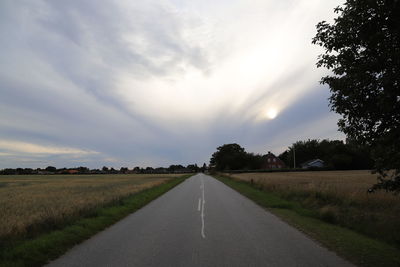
159, 82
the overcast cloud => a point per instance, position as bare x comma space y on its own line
154, 83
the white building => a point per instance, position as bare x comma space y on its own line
314, 163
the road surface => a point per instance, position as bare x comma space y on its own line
201, 222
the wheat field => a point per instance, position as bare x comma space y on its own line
349, 184
340, 197
38, 201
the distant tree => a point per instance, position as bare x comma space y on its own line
123, 170
254, 161
149, 170
362, 49
303, 151
284, 156
234, 157
335, 153
229, 157
8, 171
174, 168
83, 170
204, 168
105, 169
51, 169
193, 167
28, 171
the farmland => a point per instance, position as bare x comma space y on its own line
338, 197
37, 203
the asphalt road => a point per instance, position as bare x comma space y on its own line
201, 222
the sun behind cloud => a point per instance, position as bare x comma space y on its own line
148, 87
271, 113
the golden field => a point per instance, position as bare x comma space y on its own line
352, 185
338, 197
34, 201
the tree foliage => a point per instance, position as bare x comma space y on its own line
51, 169
228, 157
234, 157
335, 153
193, 167
362, 51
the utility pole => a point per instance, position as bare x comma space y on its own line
294, 158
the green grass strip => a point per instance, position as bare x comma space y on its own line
40, 250
357, 248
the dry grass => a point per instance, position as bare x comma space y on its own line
352, 185
338, 197
30, 203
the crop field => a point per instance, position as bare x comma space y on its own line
338, 197
30, 204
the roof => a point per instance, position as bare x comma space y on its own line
312, 161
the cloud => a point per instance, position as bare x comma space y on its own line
156, 82
29, 148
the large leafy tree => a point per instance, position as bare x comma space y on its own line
362, 51
229, 157
234, 157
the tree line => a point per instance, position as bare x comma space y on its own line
191, 168
336, 154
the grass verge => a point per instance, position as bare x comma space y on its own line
357, 248
41, 249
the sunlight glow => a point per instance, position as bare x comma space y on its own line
239, 81
272, 113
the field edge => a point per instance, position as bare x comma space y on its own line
356, 248
49, 246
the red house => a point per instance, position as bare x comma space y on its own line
273, 162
